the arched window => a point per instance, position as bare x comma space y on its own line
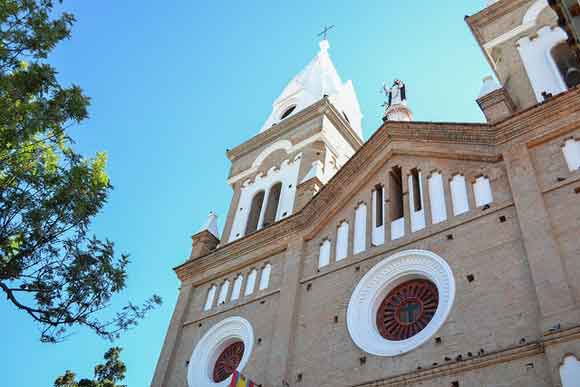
224, 292
287, 112
482, 191
255, 212
273, 203
437, 198
251, 283
567, 64
571, 151
459, 195
210, 297
237, 289
360, 228
416, 200
265, 277
342, 241
324, 255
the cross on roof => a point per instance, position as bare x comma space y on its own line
325, 30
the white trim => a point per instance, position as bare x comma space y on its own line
285, 145
533, 13
529, 21
207, 350
253, 169
383, 277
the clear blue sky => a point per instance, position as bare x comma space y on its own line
173, 84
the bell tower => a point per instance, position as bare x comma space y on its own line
528, 53
313, 129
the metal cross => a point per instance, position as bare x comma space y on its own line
410, 312
325, 30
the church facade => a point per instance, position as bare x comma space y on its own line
433, 254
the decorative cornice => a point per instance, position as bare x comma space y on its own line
324, 106
538, 116
487, 360
388, 140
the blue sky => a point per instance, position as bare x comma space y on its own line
173, 84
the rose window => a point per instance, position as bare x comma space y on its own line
228, 361
407, 309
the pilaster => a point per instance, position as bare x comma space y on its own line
542, 250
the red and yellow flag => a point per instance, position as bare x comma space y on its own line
239, 380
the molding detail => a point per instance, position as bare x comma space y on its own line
372, 288
211, 345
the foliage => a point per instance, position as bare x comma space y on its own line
50, 267
106, 375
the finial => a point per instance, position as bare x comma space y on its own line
489, 85
211, 224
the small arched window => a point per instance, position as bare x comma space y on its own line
437, 198
224, 292
237, 289
459, 195
255, 212
324, 255
210, 297
287, 112
567, 64
265, 277
571, 151
360, 228
251, 283
273, 203
482, 191
342, 241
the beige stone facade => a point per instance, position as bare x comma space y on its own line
515, 261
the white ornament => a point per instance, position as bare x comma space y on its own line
379, 281
211, 345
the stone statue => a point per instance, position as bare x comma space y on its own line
396, 94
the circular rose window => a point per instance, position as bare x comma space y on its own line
400, 303
407, 309
228, 361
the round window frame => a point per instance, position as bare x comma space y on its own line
210, 347
379, 281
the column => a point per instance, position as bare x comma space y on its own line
555, 298
283, 337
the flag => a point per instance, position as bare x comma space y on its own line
239, 380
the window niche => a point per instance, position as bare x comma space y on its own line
342, 241
237, 289
324, 254
255, 212
396, 209
415, 180
210, 298
459, 196
567, 64
265, 277
273, 204
251, 282
437, 198
482, 191
360, 228
571, 150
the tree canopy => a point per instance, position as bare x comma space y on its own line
51, 267
106, 375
